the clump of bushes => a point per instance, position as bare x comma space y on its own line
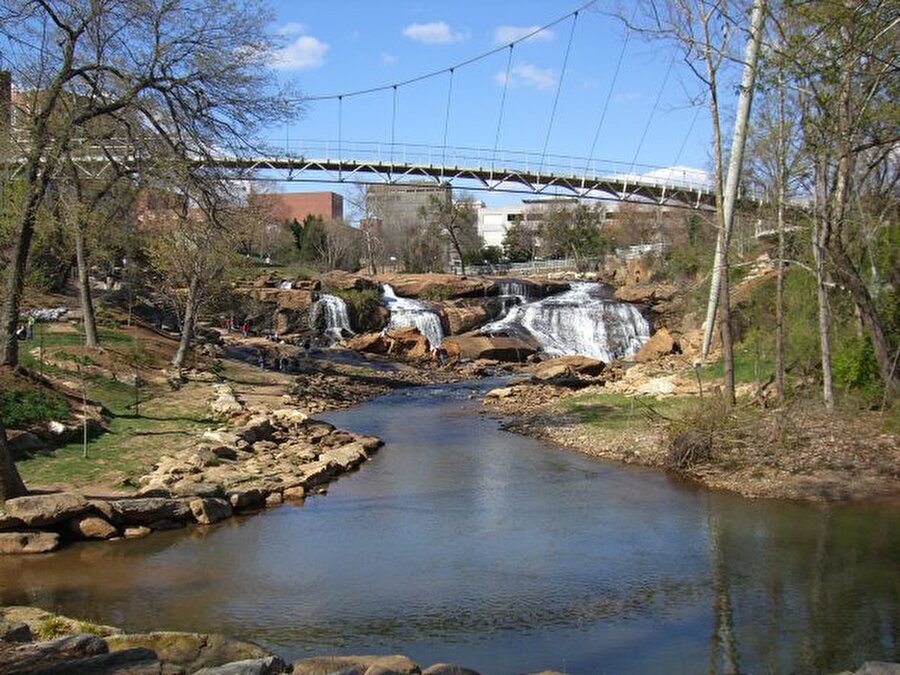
27, 406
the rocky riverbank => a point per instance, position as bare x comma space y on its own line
798, 451
33, 641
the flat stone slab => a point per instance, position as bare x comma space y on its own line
14, 543
49, 509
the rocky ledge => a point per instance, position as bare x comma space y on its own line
35, 641
262, 459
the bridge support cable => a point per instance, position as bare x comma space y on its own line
340, 121
393, 126
502, 104
609, 94
447, 118
652, 114
559, 84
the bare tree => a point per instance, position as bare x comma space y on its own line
194, 74
456, 220
843, 57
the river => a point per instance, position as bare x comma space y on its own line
460, 542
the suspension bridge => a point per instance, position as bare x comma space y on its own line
396, 161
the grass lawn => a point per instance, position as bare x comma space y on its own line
165, 421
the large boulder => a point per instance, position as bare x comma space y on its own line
14, 543
48, 509
482, 347
209, 511
436, 286
92, 527
568, 366
345, 456
347, 281
148, 510
325, 665
461, 316
661, 343
191, 651
271, 665
401, 342
646, 294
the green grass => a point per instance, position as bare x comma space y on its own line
746, 363
126, 451
617, 412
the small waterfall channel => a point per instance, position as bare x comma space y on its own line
407, 312
582, 320
329, 314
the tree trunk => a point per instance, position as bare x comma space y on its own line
781, 178
84, 291
15, 279
824, 338
187, 325
11, 484
868, 314
727, 340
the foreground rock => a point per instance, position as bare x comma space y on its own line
476, 347
111, 652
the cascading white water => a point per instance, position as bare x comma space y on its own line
334, 310
407, 312
578, 322
512, 292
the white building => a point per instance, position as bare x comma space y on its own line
494, 221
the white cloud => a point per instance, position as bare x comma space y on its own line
292, 28
434, 33
528, 75
505, 34
304, 52
388, 59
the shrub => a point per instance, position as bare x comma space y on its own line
20, 407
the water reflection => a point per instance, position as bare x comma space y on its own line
463, 543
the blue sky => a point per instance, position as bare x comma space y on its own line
342, 46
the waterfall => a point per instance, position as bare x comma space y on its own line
408, 312
333, 309
579, 321
513, 292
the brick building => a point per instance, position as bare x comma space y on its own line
286, 206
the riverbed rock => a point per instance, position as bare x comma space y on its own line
660, 344
225, 402
345, 456
347, 281
461, 316
36, 657
448, 669
325, 665
211, 510
92, 527
14, 543
645, 293
295, 492
246, 499
48, 509
136, 532
567, 366
15, 631
147, 510
191, 651
435, 286
271, 665
483, 347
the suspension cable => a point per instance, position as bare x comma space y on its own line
447, 118
652, 113
609, 94
393, 122
456, 66
559, 84
502, 105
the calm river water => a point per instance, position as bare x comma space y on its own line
460, 542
